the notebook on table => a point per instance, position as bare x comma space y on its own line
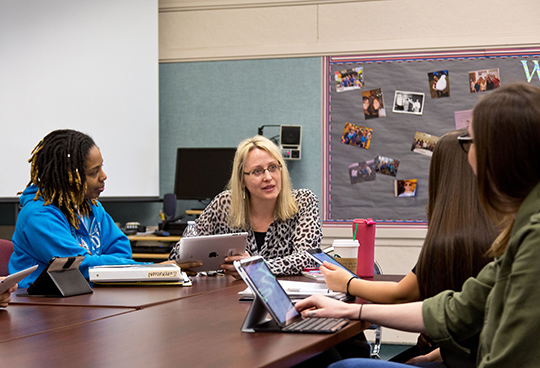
270, 297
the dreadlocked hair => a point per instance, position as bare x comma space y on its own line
59, 172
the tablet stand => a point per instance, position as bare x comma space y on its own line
257, 318
61, 278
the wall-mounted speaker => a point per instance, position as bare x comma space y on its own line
169, 206
290, 141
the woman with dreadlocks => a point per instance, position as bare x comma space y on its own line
60, 214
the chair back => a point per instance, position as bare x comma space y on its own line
6, 248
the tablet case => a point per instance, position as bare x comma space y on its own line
61, 278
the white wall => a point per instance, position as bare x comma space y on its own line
89, 65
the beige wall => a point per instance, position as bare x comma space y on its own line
194, 30
201, 30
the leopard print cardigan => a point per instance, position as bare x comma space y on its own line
285, 242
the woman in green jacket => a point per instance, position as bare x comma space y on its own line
502, 302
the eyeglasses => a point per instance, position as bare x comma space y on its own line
465, 142
272, 169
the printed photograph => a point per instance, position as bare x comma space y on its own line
405, 188
362, 171
484, 80
462, 118
373, 104
349, 79
408, 102
386, 165
439, 84
354, 135
424, 143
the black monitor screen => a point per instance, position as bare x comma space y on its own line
202, 173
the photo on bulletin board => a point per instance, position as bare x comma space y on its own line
386, 165
484, 80
394, 135
408, 102
362, 171
424, 143
439, 84
355, 135
462, 119
373, 104
349, 79
405, 187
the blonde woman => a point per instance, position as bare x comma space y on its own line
282, 223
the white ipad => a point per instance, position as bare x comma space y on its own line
14, 278
211, 250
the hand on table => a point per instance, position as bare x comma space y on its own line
185, 266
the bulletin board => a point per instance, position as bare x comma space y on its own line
411, 99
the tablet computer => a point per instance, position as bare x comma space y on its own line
274, 301
211, 250
60, 278
14, 278
319, 256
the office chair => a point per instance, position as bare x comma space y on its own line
6, 248
376, 345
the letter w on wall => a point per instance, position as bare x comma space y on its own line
527, 73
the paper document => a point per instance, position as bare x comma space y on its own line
299, 289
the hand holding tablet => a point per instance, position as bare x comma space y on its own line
13, 279
10, 282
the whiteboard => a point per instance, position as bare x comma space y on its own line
89, 65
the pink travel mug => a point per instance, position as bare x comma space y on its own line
364, 232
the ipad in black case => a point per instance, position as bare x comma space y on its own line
271, 298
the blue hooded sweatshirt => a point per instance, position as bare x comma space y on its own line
43, 232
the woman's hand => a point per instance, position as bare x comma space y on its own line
185, 266
5, 297
229, 268
322, 306
434, 356
336, 278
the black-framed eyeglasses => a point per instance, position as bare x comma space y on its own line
258, 172
465, 142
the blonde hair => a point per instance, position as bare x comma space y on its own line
286, 206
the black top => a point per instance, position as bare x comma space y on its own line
259, 238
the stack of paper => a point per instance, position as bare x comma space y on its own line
139, 274
299, 290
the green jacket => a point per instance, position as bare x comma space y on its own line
503, 301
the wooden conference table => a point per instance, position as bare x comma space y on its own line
196, 326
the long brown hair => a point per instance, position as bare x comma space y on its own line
459, 230
506, 132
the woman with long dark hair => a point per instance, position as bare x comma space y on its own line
501, 303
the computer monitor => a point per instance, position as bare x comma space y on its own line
202, 173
